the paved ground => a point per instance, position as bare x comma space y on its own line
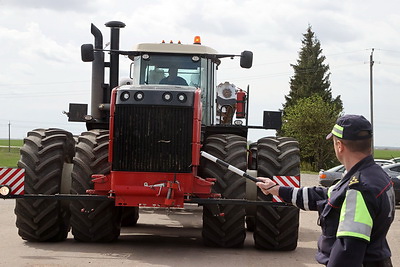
162, 239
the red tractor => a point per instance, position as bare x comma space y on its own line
142, 149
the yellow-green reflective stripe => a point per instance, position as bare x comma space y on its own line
337, 131
355, 219
362, 214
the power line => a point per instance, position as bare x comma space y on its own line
48, 83
24, 124
291, 60
390, 64
43, 93
386, 50
348, 52
279, 74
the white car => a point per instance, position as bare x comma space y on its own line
392, 169
335, 174
383, 162
331, 176
397, 160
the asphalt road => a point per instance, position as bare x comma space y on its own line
162, 239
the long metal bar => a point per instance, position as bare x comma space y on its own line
225, 201
230, 167
199, 201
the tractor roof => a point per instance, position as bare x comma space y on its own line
175, 48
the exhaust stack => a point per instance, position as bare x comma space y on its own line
114, 57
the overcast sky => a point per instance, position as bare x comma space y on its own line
41, 71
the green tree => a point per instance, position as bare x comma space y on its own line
311, 75
309, 121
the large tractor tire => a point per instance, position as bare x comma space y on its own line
91, 220
43, 156
223, 225
130, 216
277, 228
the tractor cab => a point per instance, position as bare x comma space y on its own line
169, 65
180, 65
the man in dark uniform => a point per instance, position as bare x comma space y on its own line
356, 213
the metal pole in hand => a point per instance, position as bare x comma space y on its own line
230, 167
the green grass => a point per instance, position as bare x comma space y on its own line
5, 142
386, 154
9, 158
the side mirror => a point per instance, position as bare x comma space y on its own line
246, 59
87, 53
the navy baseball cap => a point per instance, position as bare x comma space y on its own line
351, 127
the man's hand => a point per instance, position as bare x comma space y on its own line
268, 186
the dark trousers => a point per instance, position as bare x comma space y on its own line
383, 263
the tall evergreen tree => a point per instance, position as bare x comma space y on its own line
311, 75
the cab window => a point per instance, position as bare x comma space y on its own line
169, 69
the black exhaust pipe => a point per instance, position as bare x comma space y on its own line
101, 92
114, 57
97, 74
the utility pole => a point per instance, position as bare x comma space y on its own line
371, 100
9, 136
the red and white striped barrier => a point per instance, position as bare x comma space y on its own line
293, 181
14, 178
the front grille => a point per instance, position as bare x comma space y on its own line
152, 138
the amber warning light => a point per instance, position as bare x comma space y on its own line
197, 40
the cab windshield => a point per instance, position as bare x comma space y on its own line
174, 70
191, 70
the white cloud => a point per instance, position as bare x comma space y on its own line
59, 6
34, 45
41, 71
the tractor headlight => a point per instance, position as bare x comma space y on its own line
125, 96
167, 97
139, 96
182, 97
5, 190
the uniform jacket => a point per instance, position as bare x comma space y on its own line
355, 215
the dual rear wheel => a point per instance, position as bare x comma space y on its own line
92, 221
223, 225
275, 228
46, 155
